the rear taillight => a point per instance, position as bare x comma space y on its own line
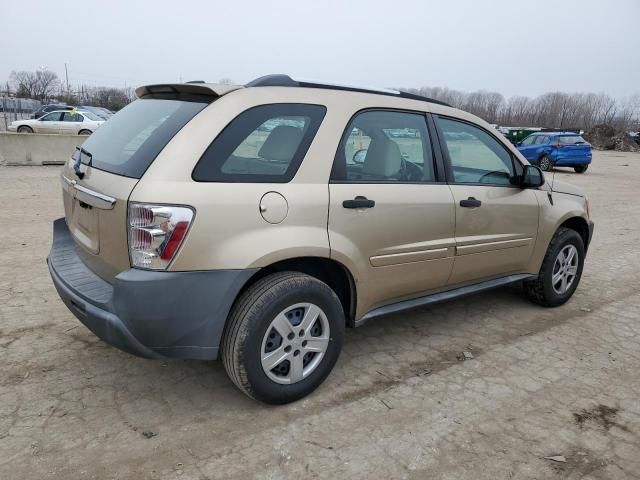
156, 233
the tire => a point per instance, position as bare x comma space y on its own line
581, 168
85, 132
542, 290
25, 129
250, 331
545, 163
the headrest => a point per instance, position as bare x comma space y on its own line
383, 159
281, 144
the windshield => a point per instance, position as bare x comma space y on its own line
129, 142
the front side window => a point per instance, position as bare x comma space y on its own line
529, 140
475, 156
263, 144
52, 117
541, 140
385, 146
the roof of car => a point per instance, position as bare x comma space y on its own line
554, 134
278, 80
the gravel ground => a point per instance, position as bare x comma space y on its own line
560, 383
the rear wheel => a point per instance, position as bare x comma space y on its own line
25, 129
581, 168
283, 337
545, 163
561, 270
84, 132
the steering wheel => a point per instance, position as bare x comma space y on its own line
410, 172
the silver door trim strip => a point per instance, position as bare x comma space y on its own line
408, 257
491, 246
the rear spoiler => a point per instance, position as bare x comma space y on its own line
210, 89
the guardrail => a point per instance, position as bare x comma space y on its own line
36, 148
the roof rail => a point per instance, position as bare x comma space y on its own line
281, 80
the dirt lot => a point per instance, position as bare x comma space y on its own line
399, 404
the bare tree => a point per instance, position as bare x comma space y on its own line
41, 84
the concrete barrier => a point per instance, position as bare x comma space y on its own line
36, 148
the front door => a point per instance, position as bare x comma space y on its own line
390, 222
527, 147
496, 220
49, 123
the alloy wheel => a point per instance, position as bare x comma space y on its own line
565, 269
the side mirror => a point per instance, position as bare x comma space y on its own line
359, 156
532, 177
518, 144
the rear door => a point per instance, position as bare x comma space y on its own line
496, 220
390, 219
98, 179
71, 123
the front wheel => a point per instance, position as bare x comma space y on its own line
84, 132
561, 270
283, 337
25, 129
581, 168
545, 163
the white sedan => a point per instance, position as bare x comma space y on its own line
72, 122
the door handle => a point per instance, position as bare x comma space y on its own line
359, 202
470, 202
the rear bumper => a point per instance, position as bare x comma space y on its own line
146, 313
566, 160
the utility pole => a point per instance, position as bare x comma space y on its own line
66, 75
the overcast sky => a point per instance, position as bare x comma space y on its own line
516, 48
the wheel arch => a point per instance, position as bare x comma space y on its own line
580, 225
333, 273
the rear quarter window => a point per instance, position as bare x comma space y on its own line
266, 143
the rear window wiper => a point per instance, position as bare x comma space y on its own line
76, 166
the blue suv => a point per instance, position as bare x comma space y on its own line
559, 149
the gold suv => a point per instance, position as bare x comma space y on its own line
254, 223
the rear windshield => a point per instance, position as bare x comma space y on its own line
129, 142
571, 139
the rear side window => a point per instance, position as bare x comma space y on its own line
385, 146
131, 140
72, 117
263, 144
